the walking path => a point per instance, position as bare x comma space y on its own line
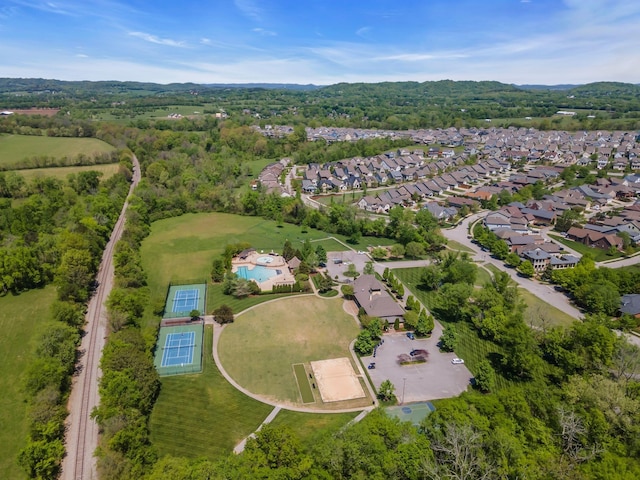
239, 448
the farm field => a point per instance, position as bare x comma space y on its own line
311, 427
108, 170
203, 415
14, 148
21, 318
181, 249
260, 347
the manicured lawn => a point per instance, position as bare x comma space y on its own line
21, 318
311, 427
181, 249
14, 148
453, 245
260, 347
598, 254
539, 313
108, 170
203, 415
483, 276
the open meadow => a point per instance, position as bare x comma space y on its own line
260, 348
203, 415
14, 148
108, 170
21, 318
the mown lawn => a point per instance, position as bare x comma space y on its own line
259, 349
309, 428
203, 415
14, 148
107, 170
540, 314
181, 249
21, 320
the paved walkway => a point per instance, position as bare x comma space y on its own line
217, 332
240, 447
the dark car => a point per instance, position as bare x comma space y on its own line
411, 336
371, 366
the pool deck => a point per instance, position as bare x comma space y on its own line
277, 263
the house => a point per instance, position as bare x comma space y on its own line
538, 258
370, 295
630, 304
594, 239
440, 212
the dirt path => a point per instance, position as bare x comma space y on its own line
82, 431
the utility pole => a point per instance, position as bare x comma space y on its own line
404, 384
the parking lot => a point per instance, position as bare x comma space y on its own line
437, 378
337, 263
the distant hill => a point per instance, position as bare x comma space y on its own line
561, 87
270, 86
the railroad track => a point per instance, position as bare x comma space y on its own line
82, 433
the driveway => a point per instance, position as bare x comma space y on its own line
437, 378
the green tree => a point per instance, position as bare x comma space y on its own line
448, 340
321, 253
379, 253
369, 269
426, 324
410, 319
485, 377
223, 314
513, 260
431, 277
414, 250
526, 269
194, 314
347, 291
364, 343
397, 250
218, 270
351, 271
386, 393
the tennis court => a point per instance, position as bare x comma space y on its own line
179, 349
411, 412
182, 299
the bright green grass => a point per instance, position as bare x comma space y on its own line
309, 428
216, 298
14, 148
303, 383
260, 347
182, 248
453, 245
203, 415
540, 314
598, 254
483, 277
108, 170
20, 318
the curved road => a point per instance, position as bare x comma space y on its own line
81, 438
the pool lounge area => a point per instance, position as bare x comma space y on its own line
266, 270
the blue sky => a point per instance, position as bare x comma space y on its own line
321, 42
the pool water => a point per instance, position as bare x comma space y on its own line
258, 273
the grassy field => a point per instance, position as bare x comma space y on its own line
453, 245
260, 347
310, 427
203, 415
540, 314
14, 148
20, 319
182, 248
108, 170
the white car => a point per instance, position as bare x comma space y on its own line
457, 361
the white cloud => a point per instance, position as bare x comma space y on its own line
81, 55
361, 32
264, 33
160, 41
249, 9
205, 41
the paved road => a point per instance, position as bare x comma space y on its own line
546, 293
82, 431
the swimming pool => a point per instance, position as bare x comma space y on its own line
264, 259
258, 273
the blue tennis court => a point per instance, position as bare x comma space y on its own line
186, 300
178, 349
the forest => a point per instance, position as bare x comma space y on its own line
547, 404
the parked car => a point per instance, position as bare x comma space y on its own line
457, 361
411, 336
371, 366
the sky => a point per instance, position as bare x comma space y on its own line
322, 42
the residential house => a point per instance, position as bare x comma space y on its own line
371, 295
